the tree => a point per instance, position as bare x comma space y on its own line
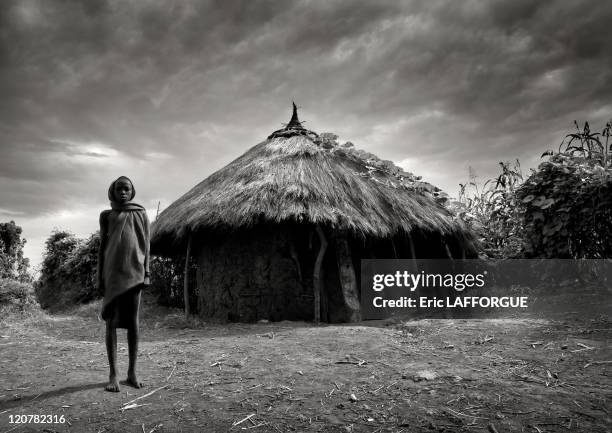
13, 265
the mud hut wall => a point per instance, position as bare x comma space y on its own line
266, 272
249, 275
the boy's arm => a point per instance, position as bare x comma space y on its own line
147, 227
103, 236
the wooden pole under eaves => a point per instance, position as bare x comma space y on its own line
186, 277
317, 280
447, 250
412, 252
348, 279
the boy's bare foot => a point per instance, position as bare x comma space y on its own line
132, 380
112, 385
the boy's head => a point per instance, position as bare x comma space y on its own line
121, 190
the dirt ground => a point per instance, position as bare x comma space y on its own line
510, 375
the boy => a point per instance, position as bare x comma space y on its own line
123, 271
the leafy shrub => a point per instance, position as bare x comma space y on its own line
568, 200
493, 211
13, 264
16, 294
562, 210
82, 267
68, 274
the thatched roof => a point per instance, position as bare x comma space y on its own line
296, 175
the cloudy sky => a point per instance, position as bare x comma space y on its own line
168, 92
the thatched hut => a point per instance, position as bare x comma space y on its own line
279, 232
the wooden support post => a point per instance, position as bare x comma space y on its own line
447, 249
348, 280
394, 250
317, 280
186, 277
448, 314
412, 252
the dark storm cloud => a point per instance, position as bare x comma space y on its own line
171, 91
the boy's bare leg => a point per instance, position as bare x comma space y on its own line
111, 351
133, 336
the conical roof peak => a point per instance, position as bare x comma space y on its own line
294, 122
294, 127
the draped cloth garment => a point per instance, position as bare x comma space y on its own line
123, 260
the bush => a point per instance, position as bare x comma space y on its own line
82, 267
562, 210
14, 293
12, 263
493, 212
568, 204
68, 274
568, 200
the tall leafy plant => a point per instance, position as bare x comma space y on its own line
568, 199
492, 210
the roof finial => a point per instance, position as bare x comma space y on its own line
294, 122
294, 127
